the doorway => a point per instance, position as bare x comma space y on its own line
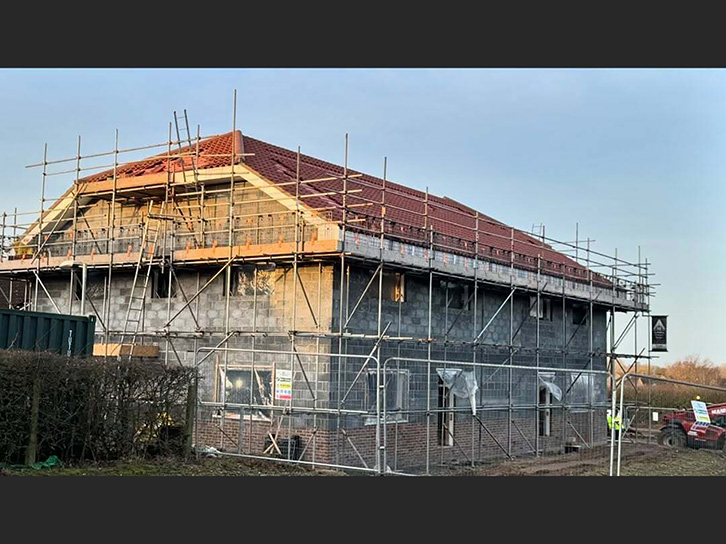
545, 413
445, 426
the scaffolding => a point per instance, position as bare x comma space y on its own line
210, 219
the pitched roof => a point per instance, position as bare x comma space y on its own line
213, 152
408, 216
406, 212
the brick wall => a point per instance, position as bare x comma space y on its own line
405, 443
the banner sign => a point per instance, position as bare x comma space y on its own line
659, 325
701, 411
283, 385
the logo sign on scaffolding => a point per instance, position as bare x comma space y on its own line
283, 385
659, 329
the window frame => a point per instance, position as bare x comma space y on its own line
546, 423
465, 301
78, 287
236, 271
258, 414
403, 398
394, 286
168, 276
580, 308
544, 312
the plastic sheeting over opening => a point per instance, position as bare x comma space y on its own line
461, 382
547, 381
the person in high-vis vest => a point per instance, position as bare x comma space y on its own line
614, 422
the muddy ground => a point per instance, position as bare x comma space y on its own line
218, 466
637, 460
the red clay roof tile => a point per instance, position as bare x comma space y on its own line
407, 216
213, 152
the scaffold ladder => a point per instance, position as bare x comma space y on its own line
192, 157
147, 258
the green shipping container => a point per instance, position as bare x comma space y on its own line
70, 335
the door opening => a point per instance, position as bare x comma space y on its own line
445, 419
545, 413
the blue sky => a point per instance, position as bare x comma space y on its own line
636, 157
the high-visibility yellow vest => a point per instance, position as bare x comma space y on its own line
617, 422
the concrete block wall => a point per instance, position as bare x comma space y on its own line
458, 324
257, 220
274, 314
410, 318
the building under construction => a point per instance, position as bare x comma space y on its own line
335, 317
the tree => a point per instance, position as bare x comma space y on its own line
693, 369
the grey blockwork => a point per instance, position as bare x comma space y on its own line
257, 220
410, 387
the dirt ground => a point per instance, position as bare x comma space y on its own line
218, 466
637, 460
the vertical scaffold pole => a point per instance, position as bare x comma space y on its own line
230, 243
475, 428
74, 232
613, 391
111, 243
635, 340
536, 355
591, 378
341, 297
40, 223
511, 344
293, 331
564, 352
648, 325
380, 448
2, 253
167, 191
427, 227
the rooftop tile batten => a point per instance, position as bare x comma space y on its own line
408, 212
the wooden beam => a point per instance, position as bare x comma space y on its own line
112, 350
